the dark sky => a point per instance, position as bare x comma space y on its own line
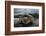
23, 11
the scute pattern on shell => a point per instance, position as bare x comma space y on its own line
25, 20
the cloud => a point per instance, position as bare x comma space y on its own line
23, 11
